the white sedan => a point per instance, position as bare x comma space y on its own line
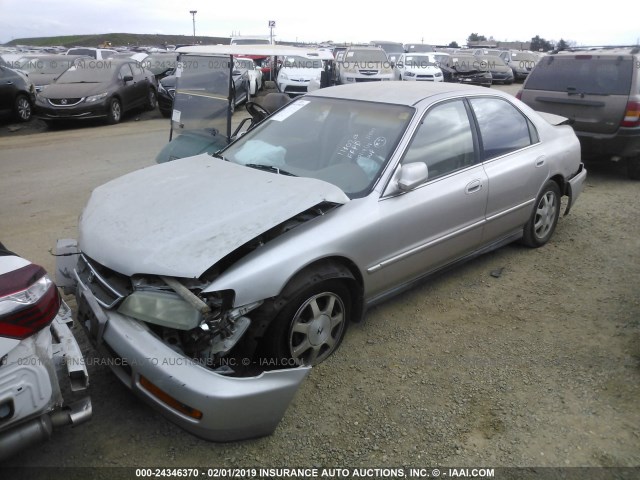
418, 67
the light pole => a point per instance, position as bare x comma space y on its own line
193, 13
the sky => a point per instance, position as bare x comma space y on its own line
322, 20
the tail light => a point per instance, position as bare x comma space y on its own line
631, 115
519, 94
29, 301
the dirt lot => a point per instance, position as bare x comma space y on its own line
535, 366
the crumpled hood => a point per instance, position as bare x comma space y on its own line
179, 218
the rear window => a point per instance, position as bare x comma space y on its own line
589, 74
83, 51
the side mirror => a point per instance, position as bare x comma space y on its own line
127, 78
411, 175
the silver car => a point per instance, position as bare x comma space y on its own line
207, 275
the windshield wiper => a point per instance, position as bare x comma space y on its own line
270, 168
574, 91
218, 155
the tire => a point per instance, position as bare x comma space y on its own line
311, 324
114, 113
152, 100
23, 109
544, 217
633, 168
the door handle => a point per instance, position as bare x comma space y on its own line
473, 187
540, 161
9, 82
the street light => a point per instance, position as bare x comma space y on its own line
193, 12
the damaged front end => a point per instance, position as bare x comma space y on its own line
175, 343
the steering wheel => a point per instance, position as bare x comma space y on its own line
257, 111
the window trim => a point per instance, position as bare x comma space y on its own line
474, 136
529, 122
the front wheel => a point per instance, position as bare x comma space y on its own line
311, 325
114, 114
23, 108
544, 218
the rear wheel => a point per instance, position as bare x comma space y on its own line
23, 108
544, 218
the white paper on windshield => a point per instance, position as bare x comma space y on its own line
175, 116
178, 70
350, 54
290, 110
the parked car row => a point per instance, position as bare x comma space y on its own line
88, 85
366, 64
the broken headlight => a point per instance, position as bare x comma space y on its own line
161, 308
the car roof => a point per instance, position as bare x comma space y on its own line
399, 93
600, 51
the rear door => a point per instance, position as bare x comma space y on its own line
140, 83
127, 89
591, 90
514, 161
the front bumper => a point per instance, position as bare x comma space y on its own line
423, 78
294, 86
80, 111
196, 398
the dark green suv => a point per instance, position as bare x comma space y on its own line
599, 91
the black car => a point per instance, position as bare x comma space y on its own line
166, 93
98, 89
17, 94
467, 69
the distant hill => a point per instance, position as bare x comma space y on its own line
118, 39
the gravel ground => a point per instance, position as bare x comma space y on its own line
536, 365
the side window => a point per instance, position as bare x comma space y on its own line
503, 128
443, 140
124, 71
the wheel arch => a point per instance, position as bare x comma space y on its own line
334, 267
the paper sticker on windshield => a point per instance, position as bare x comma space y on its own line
350, 54
290, 110
175, 116
178, 70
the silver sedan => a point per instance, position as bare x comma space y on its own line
201, 273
